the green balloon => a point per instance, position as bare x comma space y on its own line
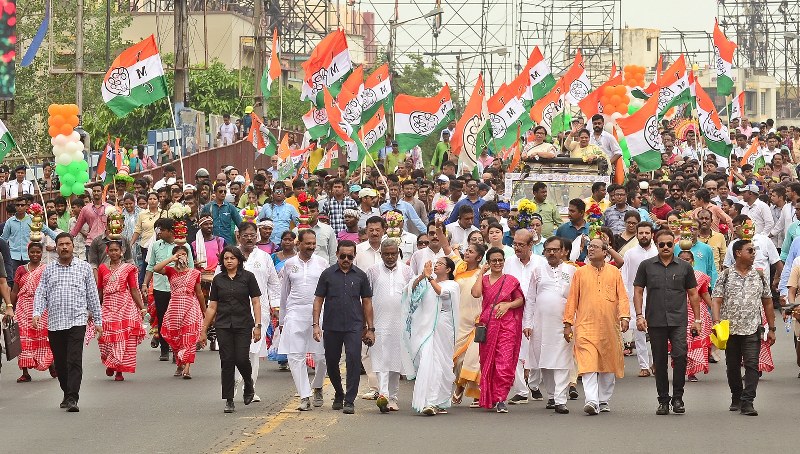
77, 188
73, 167
68, 179
61, 169
632, 109
82, 177
66, 191
83, 165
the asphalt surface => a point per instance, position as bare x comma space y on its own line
151, 411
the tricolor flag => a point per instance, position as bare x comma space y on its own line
106, 161
345, 134
674, 87
349, 98
377, 92
136, 78
653, 87
316, 123
736, 107
374, 130
576, 81
416, 118
516, 156
6, 141
716, 134
507, 116
327, 66
540, 79
550, 110
273, 71
472, 133
591, 105
723, 56
642, 135
327, 161
261, 137
754, 157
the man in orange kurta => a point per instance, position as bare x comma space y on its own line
598, 309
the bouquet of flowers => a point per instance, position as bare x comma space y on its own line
180, 213
526, 209
394, 220
115, 221
748, 230
441, 207
595, 219
249, 213
303, 199
36, 212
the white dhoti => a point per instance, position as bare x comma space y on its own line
598, 387
555, 383
297, 339
435, 376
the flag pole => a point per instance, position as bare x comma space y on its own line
280, 108
175, 128
28, 165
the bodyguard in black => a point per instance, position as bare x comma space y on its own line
347, 295
233, 292
668, 281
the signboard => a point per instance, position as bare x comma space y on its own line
561, 187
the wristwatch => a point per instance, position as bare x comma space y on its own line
257, 326
773, 329
371, 329
697, 320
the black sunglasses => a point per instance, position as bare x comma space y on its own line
422, 243
666, 244
346, 257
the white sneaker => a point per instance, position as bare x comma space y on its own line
256, 398
370, 395
237, 383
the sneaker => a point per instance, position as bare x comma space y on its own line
164, 357
256, 398
678, 406
283, 367
736, 405
590, 409
501, 407
551, 404
573, 392
663, 409
604, 407
518, 400
474, 404
429, 411
72, 407
305, 404
229, 406
338, 403
370, 395
383, 404
393, 405
562, 409
536, 394
692, 378
747, 409
316, 398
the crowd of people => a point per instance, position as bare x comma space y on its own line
426, 273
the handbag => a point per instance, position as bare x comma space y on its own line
482, 329
11, 339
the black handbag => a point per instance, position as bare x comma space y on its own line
482, 329
11, 339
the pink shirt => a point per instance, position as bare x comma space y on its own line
345, 235
95, 218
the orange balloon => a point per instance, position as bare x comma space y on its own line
615, 99
52, 131
622, 91
73, 110
55, 120
622, 108
609, 109
51, 109
72, 120
65, 129
605, 100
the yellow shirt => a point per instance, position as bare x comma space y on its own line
718, 246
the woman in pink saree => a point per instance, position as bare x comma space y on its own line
503, 303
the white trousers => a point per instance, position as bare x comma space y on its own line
556, 382
640, 341
254, 360
388, 384
519, 387
598, 386
372, 379
534, 378
297, 365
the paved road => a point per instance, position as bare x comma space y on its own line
153, 412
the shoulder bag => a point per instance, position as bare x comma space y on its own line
481, 329
13, 345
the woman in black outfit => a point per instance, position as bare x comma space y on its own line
233, 293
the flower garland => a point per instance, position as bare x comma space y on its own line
303, 199
180, 213
595, 219
394, 221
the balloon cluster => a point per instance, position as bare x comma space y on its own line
71, 168
633, 75
615, 99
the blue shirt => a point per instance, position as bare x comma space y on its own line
282, 217
408, 211
16, 232
567, 230
475, 207
794, 251
703, 260
225, 217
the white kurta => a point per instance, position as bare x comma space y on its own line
366, 256
423, 256
544, 312
633, 258
298, 282
523, 273
387, 290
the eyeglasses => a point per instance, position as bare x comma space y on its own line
668, 244
552, 250
248, 235
422, 243
594, 246
750, 250
521, 245
346, 257
497, 260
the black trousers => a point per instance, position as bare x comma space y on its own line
162, 302
659, 336
234, 353
67, 348
351, 340
743, 350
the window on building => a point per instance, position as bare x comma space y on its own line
649, 44
763, 102
750, 98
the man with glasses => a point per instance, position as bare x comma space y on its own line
668, 282
472, 200
225, 216
281, 213
614, 215
341, 288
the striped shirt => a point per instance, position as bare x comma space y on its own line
69, 294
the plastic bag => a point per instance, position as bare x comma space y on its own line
720, 333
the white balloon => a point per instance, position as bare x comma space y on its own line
61, 139
63, 159
58, 150
616, 115
74, 137
78, 156
75, 147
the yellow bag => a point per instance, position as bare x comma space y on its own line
720, 333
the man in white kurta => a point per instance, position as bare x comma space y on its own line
542, 323
368, 253
388, 279
633, 258
520, 266
299, 278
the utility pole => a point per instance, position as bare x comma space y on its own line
181, 20
259, 55
79, 56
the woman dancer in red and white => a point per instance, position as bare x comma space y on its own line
36, 353
184, 317
122, 313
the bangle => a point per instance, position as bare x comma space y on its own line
697, 320
638, 316
315, 324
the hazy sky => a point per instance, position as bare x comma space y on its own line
681, 14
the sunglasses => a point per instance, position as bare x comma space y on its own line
422, 243
497, 260
346, 257
668, 244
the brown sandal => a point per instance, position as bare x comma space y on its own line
644, 373
178, 372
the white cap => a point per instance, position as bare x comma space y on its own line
443, 177
751, 187
643, 185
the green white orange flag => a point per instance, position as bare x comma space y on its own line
723, 56
753, 156
590, 105
349, 98
642, 135
136, 78
273, 71
576, 81
261, 137
550, 109
316, 123
473, 133
327, 66
540, 79
327, 161
716, 134
6, 141
416, 118
374, 130
346, 135
507, 116
736, 107
674, 86
377, 92
653, 87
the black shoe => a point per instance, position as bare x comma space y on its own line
213, 345
63, 403
518, 400
164, 357
154, 343
573, 393
736, 405
72, 407
349, 408
248, 395
562, 409
338, 403
663, 409
536, 394
748, 410
551, 404
229, 406
678, 406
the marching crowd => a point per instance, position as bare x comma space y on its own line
420, 272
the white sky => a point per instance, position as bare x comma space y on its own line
682, 14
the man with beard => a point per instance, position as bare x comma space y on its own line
633, 258
63, 214
605, 140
